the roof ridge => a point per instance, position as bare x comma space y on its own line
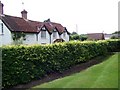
13, 16
22, 18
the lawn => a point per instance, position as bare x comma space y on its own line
103, 75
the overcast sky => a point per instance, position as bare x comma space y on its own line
83, 16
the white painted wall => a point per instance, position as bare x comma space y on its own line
66, 38
30, 38
6, 37
44, 40
57, 37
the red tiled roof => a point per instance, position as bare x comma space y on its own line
59, 27
95, 36
18, 24
22, 25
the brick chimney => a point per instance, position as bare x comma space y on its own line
24, 14
1, 8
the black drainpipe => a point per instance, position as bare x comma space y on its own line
50, 38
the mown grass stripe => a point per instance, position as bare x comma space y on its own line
103, 75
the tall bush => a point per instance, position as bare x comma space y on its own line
22, 64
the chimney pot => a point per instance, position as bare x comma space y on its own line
24, 14
1, 8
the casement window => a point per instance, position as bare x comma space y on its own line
2, 28
54, 34
43, 34
36, 37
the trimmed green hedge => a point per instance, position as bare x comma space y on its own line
22, 64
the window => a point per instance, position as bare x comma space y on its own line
43, 28
43, 34
54, 34
36, 37
2, 28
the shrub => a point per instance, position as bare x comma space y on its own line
113, 45
22, 64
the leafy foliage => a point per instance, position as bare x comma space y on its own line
75, 36
116, 32
73, 33
115, 37
22, 64
18, 38
83, 37
18, 35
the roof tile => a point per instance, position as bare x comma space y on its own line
23, 25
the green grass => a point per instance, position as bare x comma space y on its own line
103, 75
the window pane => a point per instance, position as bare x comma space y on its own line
54, 34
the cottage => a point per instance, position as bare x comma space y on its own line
21, 29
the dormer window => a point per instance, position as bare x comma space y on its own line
43, 33
54, 33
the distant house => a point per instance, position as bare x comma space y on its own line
108, 36
34, 32
95, 36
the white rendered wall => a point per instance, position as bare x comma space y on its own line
66, 38
6, 37
44, 40
57, 37
30, 38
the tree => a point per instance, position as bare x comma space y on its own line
18, 37
116, 32
73, 33
114, 37
83, 37
75, 36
